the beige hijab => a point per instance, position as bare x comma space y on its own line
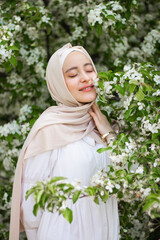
56, 127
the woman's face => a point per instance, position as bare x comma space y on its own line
79, 73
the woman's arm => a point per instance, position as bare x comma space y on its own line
35, 169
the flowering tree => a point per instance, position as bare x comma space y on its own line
123, 37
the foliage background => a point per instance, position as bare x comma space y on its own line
116, 34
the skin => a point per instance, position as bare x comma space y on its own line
79, 74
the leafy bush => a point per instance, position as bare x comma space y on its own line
123, 38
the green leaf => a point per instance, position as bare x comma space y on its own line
9, 138
120, 195
7, 66
148, 98
155, 135
105, 196
13, 60
67, 214
103, 75
99, 29
51, 188
100, 150
76, 196
129, 178
44, 199
111, 17
91, 191
120, 89
140, 95
143, 149
133, 81
132, 87
55, 179
127, 113
148, 87
35, 209
30, 191
96, 200
13, 48
129, 165
37, 196
149, 204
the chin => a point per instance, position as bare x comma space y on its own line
89, 100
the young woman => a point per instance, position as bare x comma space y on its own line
64, 142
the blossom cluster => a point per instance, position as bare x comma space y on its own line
148, 46
9, 128
106, 14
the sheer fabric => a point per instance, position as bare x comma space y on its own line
76, 161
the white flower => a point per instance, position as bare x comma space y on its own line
109, 186
9, 128
117, 186
25, 128
14, 78
148, 46
45, 19
24, 112
119, 47
78, 33
139, 118
147, 126
140, 105
157, 180
127, 67
102, 193
77, 185
152, 147
107, 87
94, 16
32, 33
145, 192
157, 79
39, 68
157, 93
64, 205
139, 170
17, 18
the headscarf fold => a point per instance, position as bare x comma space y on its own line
56, 127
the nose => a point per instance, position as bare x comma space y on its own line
84, 77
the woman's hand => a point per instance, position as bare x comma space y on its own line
100, 120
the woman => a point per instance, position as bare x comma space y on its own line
64, 142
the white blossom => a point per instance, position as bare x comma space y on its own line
148, 46
10, 128
139, 170
157, 93
64, 205
157, 79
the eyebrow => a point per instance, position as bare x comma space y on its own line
86, 64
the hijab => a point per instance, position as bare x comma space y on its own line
56, 127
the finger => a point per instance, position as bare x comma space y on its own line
93, 115
96, 109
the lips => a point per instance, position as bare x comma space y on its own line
87, 88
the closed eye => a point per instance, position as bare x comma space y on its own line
73, 76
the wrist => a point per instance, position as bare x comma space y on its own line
106, 130
108, 134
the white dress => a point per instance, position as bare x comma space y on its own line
76, 161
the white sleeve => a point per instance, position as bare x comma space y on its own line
35, 169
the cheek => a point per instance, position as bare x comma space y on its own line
70, 85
